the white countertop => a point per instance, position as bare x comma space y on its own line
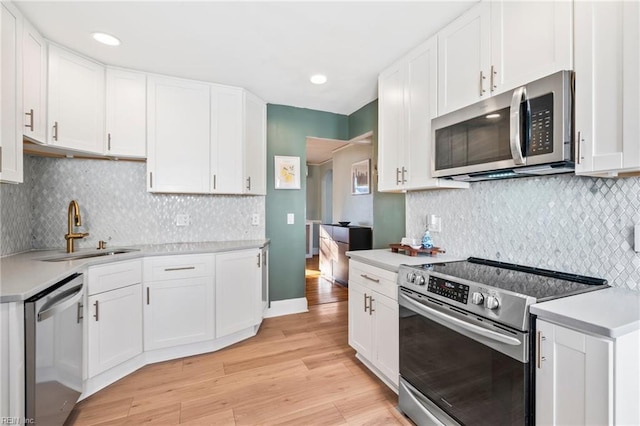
386, 259
611, 312
24, 275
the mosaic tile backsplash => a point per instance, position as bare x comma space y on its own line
116, 207
574, 224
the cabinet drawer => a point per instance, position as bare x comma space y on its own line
178, 267
113, 276
377, 279
341, 233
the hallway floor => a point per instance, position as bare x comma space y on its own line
320, 290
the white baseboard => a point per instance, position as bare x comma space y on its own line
286, 307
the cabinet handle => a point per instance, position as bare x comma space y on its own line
397, 176
182, 268
249, 183
108, 141
259, 260
150, 179
214, 181
403, 172
580, 158
492, 78
367, 277
55, 130
541, 339
482, 78
30, 125
97, 311
148, 296
264, 259
371, 310
79, 316
365, 302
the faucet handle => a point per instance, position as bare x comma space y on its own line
102, 245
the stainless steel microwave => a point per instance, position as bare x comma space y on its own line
525, 132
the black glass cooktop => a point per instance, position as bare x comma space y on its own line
542, 284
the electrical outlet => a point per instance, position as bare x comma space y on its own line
290, 219
255, 219
182, 219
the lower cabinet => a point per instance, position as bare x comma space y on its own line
586, 379
113, 315
373, 319
178, 300
238, 290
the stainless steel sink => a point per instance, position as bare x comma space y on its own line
86, 254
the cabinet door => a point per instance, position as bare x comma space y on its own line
114, 328
238, 288
463, 59
265, 280
255, 140
607, 88
10, 95
326, 256
34, 77
386, 336
360, 320
178, 312
341, 263
76, 102
178, 132
126, 114
390, 128
226, 140
529, 40
574, 377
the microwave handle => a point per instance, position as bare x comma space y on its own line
516, 138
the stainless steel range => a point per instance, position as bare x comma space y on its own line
466, 339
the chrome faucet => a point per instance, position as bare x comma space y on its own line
73, 216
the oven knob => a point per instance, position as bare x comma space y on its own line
492, 302
420, 280
477, 298
411, 277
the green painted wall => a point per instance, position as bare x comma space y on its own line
388, 208
287, 130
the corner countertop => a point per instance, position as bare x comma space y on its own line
611, 312
386, 259
23, 275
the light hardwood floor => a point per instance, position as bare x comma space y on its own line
320, 290
298, 370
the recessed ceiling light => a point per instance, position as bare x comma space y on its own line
107, 39
318, 79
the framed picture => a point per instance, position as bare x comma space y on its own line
287, 172
360, 177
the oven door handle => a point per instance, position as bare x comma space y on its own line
427, 311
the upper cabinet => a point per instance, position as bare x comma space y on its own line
226, 140
76, 102
255, 145
607, 88
178, 120
10, 94
34, 85
126, 114
407, 102
499, 45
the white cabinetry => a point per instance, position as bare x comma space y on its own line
408, 101
178, 300
499, 45
238, 291
34, 87
255, 145
226, 140
114, 315
10, 94
607, 87
585, 379
373, 319
178, 134
76, 102
126, 117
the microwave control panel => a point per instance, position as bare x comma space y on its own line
450, 290
541, 140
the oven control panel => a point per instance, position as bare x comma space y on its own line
450, 290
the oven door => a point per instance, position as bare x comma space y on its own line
456, 367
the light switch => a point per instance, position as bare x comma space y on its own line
290, 219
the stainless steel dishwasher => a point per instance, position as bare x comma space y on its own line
53, 351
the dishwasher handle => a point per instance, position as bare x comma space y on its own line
60, 302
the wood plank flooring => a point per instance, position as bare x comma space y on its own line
320, 290
298, 370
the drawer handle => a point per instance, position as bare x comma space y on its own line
366, 277
183, 268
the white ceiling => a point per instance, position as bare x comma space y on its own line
270, 48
